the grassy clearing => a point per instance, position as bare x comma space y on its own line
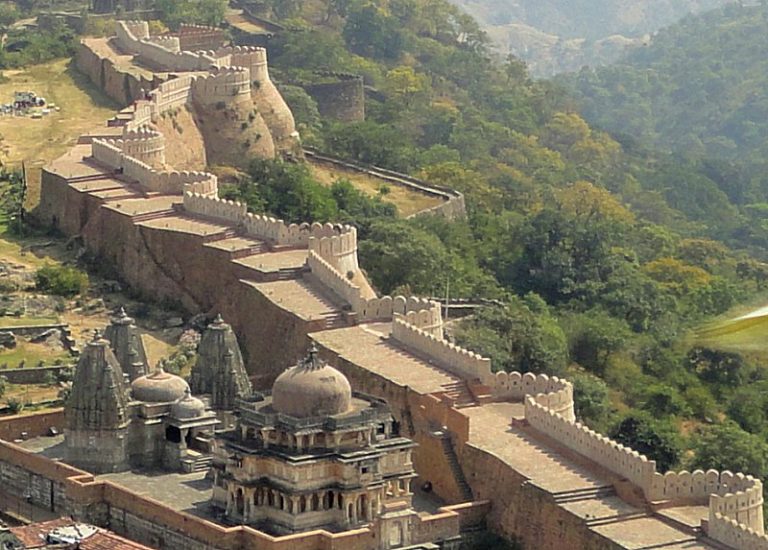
38, 141
10, 322
407, 202
31, 354
29, 394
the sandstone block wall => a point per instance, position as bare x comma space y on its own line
34, 425
459, 361
342, 100
735, 500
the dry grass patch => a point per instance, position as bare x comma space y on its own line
408, 202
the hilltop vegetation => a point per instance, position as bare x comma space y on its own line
554, 36
700, 88
604, 256
699, 91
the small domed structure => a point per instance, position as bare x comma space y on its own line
188, 407
311, 388
159, 387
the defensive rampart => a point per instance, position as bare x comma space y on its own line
735, 500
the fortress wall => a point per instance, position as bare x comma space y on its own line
459, 361
212, 207
34, 425
222, 85
452, 206
171, 94
145, 145
198, 37
550, 392
613, 456
338, 250
170, 43
128, 34
524, 512
120, 85
732, 533
331, 278
253, 58
700, 485
519, 510
343, 100
107, 152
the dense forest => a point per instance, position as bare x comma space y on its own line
605, 256
700, 92
700, 88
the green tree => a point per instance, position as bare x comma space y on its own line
656, 439
61, 280
519, 336
727, 447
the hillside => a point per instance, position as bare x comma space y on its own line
699, 89
555, 36
606, 256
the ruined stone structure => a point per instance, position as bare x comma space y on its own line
126, 343
313, 455
112, 428
219, 371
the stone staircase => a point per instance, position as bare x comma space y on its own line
147, 216
459, 393
453, 461
289, 273
608, 520
258, 247
335, 320
588, 493
196, 462
202, 463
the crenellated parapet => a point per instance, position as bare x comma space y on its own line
735, 501
222, 84
144, 144
253, 57
455, 359
109, 153
339, 250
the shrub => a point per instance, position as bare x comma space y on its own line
61, 280
15, 405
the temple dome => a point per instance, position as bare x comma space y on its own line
159, 387
188, 407
311, 388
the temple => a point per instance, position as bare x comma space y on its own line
311, 454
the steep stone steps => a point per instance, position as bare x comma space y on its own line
147, 216
202, 464
335, 320
595, 522
288, 273
584, 494
453, 462
228, 233
460, 394
256, 248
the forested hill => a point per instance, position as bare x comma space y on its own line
605, 258
554, 36
700, 88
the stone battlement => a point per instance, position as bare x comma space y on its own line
735, 500
108, 153
455, 359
